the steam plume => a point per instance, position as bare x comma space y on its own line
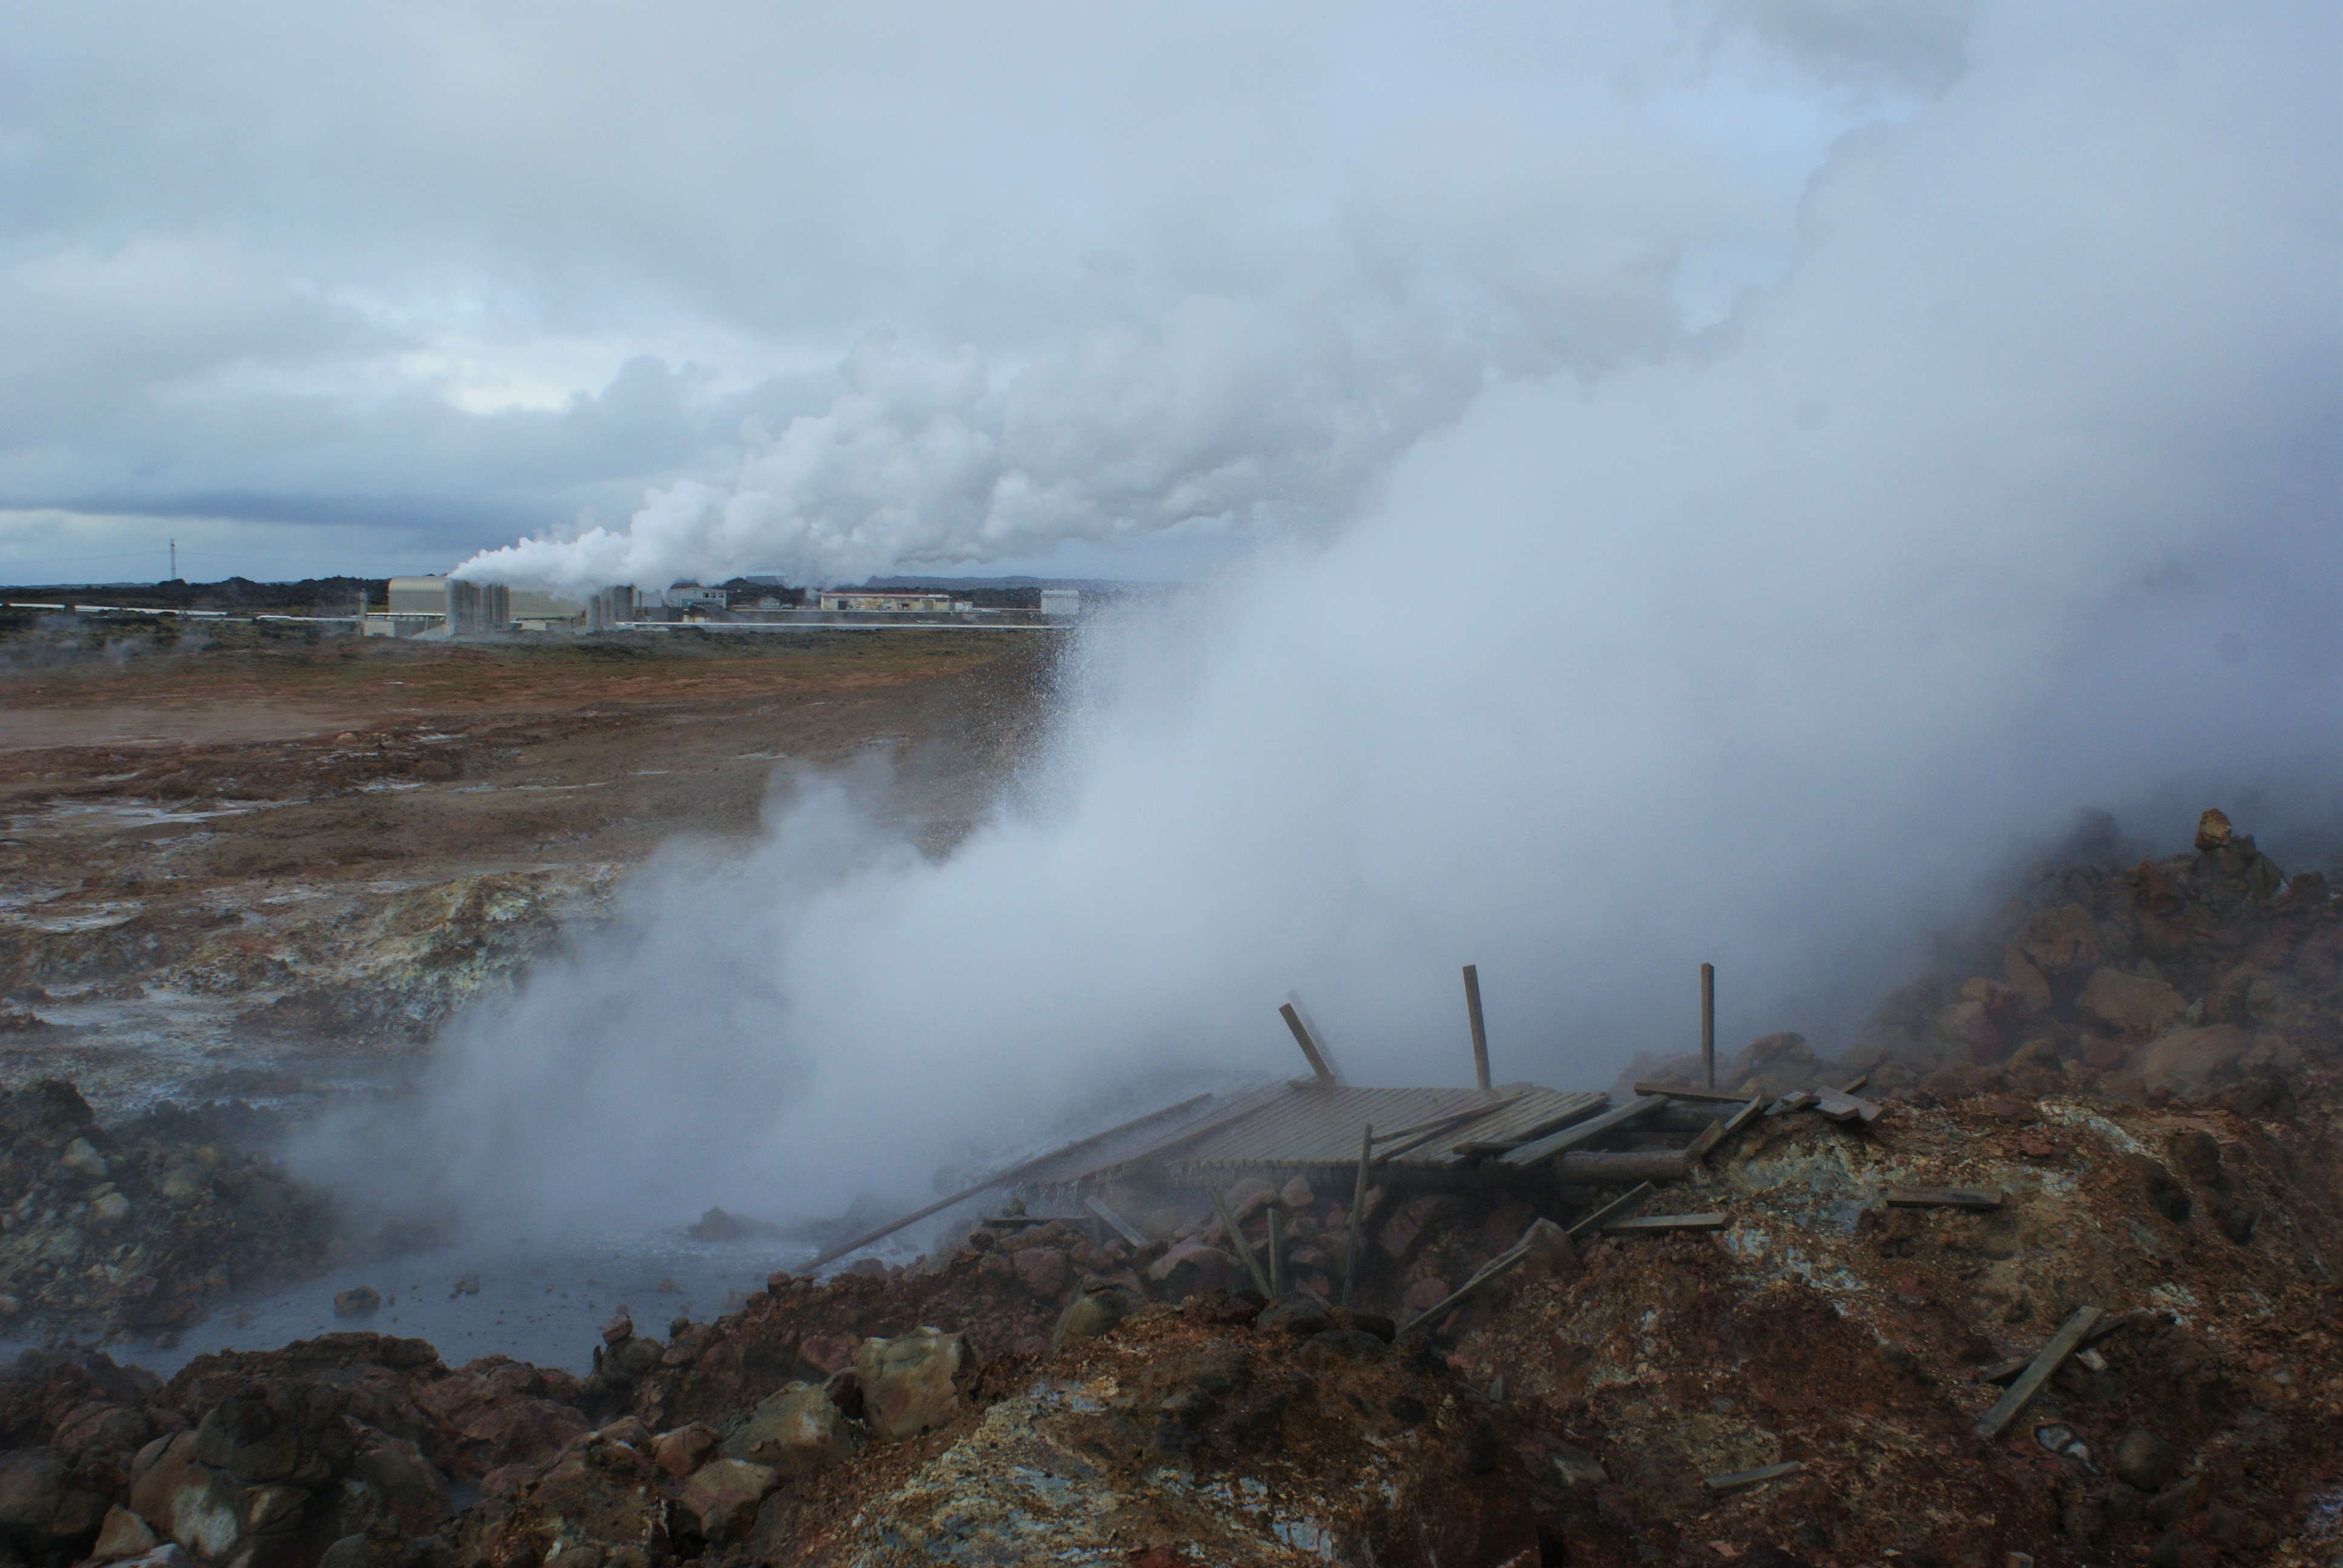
2018, 495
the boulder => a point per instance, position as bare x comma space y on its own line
2145, 1461
81, 1157
123, 1534
2212, 832
357, 1301
797, 1431
2057, 940
2183, 1060
31, 1492
1249, 1196
1296, 1195
1042, 1270
1092, 1313
719, 1500
413, 1493
684, 1450
195, 1504
913, 1382
597, 1493
1425, 1293
2131, 1004
1297, 1315
108, 1210
827, 1353
1190, 1268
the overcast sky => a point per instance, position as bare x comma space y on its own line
328, 288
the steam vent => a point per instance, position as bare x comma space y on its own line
2040, 1265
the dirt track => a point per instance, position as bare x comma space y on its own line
271, 863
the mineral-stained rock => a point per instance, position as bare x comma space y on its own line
719, 1499
2131, 1004
1191, 1267
684, 1450
1094, 1314
2143, 1460
597, 1493
357, 1301
31, 1487
1042, 1270
913, 1382
797, 1431
2184, 1060
124, 1534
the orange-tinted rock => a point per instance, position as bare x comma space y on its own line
2132, 1004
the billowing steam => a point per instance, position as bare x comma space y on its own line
1229, 410
2019, 495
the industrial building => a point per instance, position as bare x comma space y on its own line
423, 605
873, 599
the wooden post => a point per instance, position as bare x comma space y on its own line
1358, 1212
1708, 1026
1309, 1047
1480, 1033
1276, 1253
1244, 1247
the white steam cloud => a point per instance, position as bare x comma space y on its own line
2018, 496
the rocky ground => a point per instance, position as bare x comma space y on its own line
269, 866
2150, 1079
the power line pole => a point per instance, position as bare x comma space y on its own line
175, 560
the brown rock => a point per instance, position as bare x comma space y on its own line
796, 1432
2184, 1060
1043, 1270
2212, 832
2027, 983
827, 1353
124, 1534
913, 1382
1425, 1293
2145, 1461
2057, 940
1296, 1195
2131, 1004
721, 1498
684, 1450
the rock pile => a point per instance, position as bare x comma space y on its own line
135, 1226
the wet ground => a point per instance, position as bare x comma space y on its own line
272, 869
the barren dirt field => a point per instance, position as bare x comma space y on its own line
268, 865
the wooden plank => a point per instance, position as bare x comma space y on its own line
1011, 1174
1707, 1141
1650, 1224
2029, 1382
1539, 1150
2002, 1371
1840, 1106
1973, 1198
1244, 1247
1619, 1208
1531, 1131
1276, 1253
1708, 1026
1480, 1033
1790, 1102
1705, 1096
1358, 1212
1529, 1243
1325, 1074
1120, 1226
1736, 1480
1622, 1168
1426, 1131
